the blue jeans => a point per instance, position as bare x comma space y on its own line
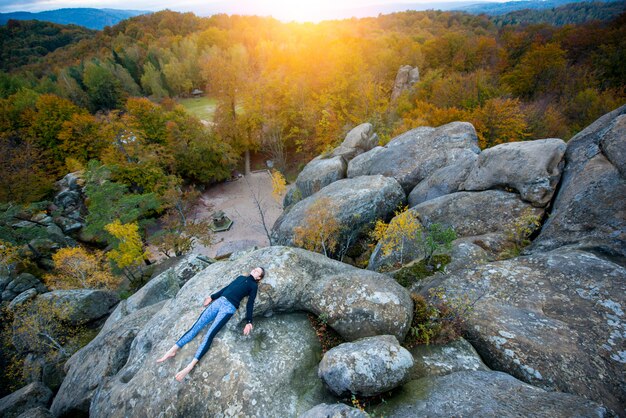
219, 312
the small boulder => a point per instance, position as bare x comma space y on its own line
30, 396
362, 138
406, 77
416, 154
83, 305
533, 168
338, 410
366, 367
22, 298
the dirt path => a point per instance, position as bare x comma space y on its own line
236, 200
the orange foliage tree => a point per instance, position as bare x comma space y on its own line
74, 267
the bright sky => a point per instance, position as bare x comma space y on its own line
286, 10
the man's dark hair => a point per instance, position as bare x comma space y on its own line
263, 270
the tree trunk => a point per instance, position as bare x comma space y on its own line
247, 159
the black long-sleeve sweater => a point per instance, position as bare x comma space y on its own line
237, 289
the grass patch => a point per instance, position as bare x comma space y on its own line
201, 107
412, 273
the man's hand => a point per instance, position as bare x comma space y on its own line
247, 329
207, 301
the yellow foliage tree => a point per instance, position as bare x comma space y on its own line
8, 255
279, 185
321, 230
129, 251
74, 268
403, 227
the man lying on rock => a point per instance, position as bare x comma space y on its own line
220, 308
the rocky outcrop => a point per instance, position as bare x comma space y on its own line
483, 394
588, 210
416, 154
30, 396
406, 77
104, 356
337, 410
367, 367
533, 168
82, 305
354, 203
233, 377
330, 167
69, 203
470, 214
555, 320
443, 181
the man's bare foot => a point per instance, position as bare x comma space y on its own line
171, 353
184, 372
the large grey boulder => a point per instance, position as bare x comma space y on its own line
533, 168
366, 367
588, 210
319, 173
555, 320
354, 203
406, 77
270, 373
338, 410
483, 394
83, 305
418, 153
470, 214
232, 379
104, 356
440, 360
443, 181
28, 397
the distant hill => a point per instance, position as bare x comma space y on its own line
495, 9
25, 42
574, 13
89, 18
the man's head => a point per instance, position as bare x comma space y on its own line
258, 273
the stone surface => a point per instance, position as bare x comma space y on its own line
443, 181
533, 168
613, 144
439, 360
588, 210
43, 247
319, 173
354, 203
362, 138
23, 282
104, 356
28, 397
84, 305
38, 412
337, 410
366, 367
470, 214
416, 154
483, 394
555, 320
233, 379
22, 298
